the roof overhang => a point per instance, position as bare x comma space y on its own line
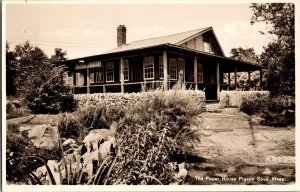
227, 64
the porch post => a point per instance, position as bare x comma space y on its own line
249, 79
218, 80
165, 64
122, 74
235, 77
195, 73
260, 79
87, 80
228, 81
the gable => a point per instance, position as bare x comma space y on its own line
206, 42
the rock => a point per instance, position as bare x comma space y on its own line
221, 175
105, 148
231, 170
286, 172
196, 175
249, 170
181, 175
68, 142
267, 171
43, 136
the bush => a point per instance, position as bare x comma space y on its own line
14, 110
280, 111
276, 111
254, 104
50, 95
19, 149
152, 132
152, 128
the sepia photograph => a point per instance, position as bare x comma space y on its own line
183, 94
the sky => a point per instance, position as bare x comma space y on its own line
90, 29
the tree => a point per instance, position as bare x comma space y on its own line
41, 82
279, 55
247, 55
10, 71
31, 62
59, 56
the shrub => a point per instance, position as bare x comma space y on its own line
69, 127
152, 128
155, 129
19, 149
280, 111
14, 111
276, 111
254, 104
50, 95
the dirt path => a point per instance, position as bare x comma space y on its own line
232, 148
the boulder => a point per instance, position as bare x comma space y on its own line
249, 170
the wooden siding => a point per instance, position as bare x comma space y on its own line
197, 43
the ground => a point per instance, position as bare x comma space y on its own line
234, 150
231, 151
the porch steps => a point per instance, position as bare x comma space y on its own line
213, 107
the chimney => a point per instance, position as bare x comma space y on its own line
121, 35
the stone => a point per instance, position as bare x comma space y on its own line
249, 170
196, 175
221, 175
68, 142
286, 172
231, 169
43, 136
267, 171
181, 175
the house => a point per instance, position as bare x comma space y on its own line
196, 56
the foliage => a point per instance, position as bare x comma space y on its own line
247, 55
152, 131
10, 71
254, 105
18, 150
280, 111
50, 95
59, 56
31, 63
276, 111
152, 128
279, 55
13, 111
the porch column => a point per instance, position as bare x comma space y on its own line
122, 74
235, 77
165, 64
195, 73
218, 80
260, 78
249, 79
87, 80
228, 81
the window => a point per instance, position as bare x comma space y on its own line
92, 76
110, 72
79, 78
206, 46
199, 73
173, 68
99, 75
148, 67
70, 78
161, 67
181, 66
126, 71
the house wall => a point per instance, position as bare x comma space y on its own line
197, 43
